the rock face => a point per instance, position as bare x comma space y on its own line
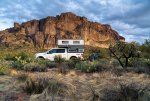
44, 33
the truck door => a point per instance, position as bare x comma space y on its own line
52, 53
62, 53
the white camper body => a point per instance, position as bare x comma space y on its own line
62, 42
76, 46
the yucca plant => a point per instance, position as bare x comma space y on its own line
59, 60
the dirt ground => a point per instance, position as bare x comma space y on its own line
80, 86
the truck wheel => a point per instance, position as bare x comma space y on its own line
41, 58
73, 58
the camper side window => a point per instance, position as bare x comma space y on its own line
65, 42
76, 42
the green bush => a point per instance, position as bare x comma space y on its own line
72, 62
145, 49
13, 56
23, 56
51, 65
46, 63
3, 67
86, 67
10, 57
78, 66
33, 66
94, 66
17, 65
142, 66
115, 63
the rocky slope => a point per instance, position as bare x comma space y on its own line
45, 32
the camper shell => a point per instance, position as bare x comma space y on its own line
73, 46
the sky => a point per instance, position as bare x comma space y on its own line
130, 18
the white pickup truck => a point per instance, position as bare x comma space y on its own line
63, 52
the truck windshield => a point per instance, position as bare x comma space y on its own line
52, 51
56, 51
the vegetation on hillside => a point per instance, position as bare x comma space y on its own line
120, 73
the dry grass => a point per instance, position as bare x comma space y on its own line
77, 86
90, 87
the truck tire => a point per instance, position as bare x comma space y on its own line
73, 58
40, 57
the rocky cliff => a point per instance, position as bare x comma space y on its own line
44, 33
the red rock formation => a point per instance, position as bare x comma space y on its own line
45, 32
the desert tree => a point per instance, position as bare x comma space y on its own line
145, 49
123, 51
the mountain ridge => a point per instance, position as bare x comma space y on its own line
45, 32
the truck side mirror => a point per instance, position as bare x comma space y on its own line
49, 52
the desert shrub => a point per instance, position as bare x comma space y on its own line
103, 65
54, 87
94, 66
58, 59
23, 56
10, 57
3, 67
51, 65
46, 63
114, 63
145, 49
72, 62
142, 66
78, 66
22, 76
60, 63
33, 87
86, 67
125, 92
17, 65
33, 66
39, 85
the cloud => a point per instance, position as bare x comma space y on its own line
128, 17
